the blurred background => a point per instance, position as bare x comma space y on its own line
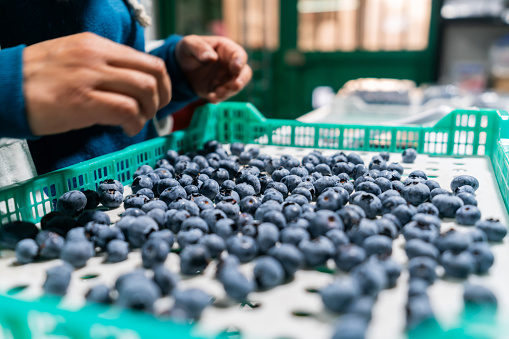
304, 51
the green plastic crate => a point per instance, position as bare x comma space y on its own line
461, 133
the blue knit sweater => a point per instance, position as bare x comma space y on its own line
25, 22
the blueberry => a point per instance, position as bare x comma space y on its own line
50, 245
418, 310
227, 185
165, 279
243, 246
195, 222
416, 194
117, 251
468, 215
191, 302
162, 173
26, 251
340, 294
384, 184
422, 268
85, 217
371, 276
135, 201
387, 228
111, 199
186, 238
139, 294
278, 186
265, 207
417, 286
338, 237
58, 279
468, 199
428, 208
317, 251
493, 228
363, 230
398, 186
272, 194
457, 265
161, 185
391, 203
393, 219
395, 166
453, 240
268, 236
109, 184
351, 326
371, 205
139, 182
409, 155
463, 180
154, 204
362, 307
438, 191
355, 158
187, 205
106, 234
235, 284
291, 211
385, 156
143, 170
154, 252
478, 235
419, 230
268, 273
231, 210
61, 223
99, 294
479, 298
324, 221
351, 216
483, 257
77, 253
72, 203
447, 205
427, 219
92, 199
298, 199
392, 270
420, 248
329, 200
140, 230
432, 184
377, 244
77, 233
294, 235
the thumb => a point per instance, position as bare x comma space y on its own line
201, 49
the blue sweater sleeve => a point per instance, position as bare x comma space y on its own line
13, 120
182, 93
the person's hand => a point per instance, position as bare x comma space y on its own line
83, 80
216, 67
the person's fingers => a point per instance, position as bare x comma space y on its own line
232, 87
137, 85
127, 57
116, 110
199, 48
230, 52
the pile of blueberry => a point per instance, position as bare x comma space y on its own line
284, 214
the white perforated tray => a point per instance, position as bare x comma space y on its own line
274, 318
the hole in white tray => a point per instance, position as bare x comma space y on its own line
431, 169
325, 269
89, 276
312, 290
250, 304
230, 333
16, 289
459, 163
300, 313
459, 170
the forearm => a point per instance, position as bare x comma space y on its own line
13, 120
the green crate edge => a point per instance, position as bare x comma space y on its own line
459, 131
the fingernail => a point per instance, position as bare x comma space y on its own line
238, 62
207, 56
